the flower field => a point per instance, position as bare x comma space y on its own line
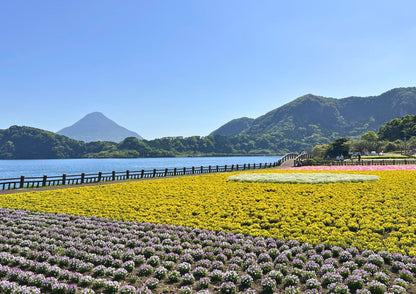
263, 234
58, 253
378, 215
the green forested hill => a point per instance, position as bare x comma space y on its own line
234, 127
31, 143
313, 118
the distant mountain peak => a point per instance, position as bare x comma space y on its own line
95, 126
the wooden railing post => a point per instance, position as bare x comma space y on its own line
236, 167
100, 174
127, 174
225, 168
154, 173
232, 167
22, 182
45, 177
142, 174
209, 169
82, 178
244, 166
217, 168
193, 170
174, 171
166, 172
113, 175
63, 179
184, 170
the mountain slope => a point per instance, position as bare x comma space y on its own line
97, 127
31, 143
312, 119
234, 127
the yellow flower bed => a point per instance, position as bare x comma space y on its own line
375, 215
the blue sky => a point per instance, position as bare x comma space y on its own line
182, 68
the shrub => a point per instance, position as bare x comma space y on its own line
174, 276
255, 271
375, 287
161, 272
246, 281
292, 290
145, 270
151, 283
184, 268
382, 278
268, 285
216, 276
127, 289
290, 280
228, 288
337, 288
354, 282
185, 290
188, 279
406, 275
230, 276
204, 283
313, 284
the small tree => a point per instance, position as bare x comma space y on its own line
319, 151
338, 147
370, 136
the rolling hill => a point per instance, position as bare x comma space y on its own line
312, 118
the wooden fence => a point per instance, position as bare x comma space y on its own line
37, 182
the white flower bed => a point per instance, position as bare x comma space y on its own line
302, 178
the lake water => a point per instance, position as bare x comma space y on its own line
54, 167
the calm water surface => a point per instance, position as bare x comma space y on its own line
54, 167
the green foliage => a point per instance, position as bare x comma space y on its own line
31, 143
25, 143
338, 147
398, 128
234, 127
388, 139
370, 136
319, 151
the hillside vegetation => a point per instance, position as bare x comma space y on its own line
315, 120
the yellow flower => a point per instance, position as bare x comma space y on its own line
378, 215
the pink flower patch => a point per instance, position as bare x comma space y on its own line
356, 167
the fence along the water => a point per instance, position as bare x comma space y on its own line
38, 182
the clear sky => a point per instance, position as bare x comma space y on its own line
183, 68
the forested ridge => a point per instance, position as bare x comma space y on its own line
313, 119
22, 142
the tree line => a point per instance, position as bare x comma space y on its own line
30, 143
398, 134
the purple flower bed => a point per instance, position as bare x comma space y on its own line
58, 253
